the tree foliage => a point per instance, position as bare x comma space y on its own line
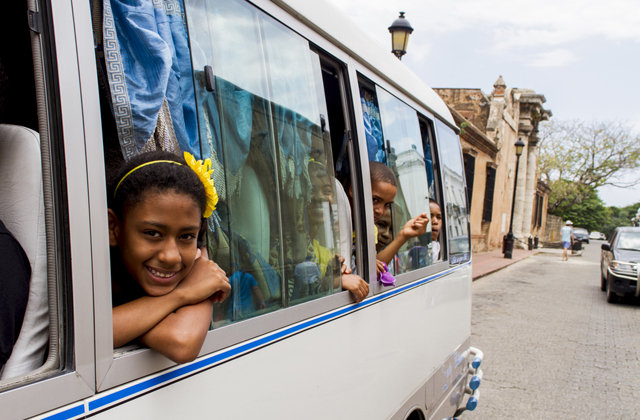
576, 157
590, 213
619, 216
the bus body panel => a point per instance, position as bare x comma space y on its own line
357, 361
360, 365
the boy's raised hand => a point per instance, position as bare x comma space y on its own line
416, 226
206, 279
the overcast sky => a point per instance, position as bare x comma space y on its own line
584, 56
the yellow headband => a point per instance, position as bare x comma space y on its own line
202, 170
138, 167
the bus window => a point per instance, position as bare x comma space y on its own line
457, 218
435, 191
400, 129
372, 124
262, 117
24, 335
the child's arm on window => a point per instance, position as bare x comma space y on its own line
414, 227
180, 335
146, 314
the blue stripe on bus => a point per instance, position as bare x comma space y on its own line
153, 382
67, 414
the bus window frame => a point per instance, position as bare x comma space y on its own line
439, 181
445, 212
65, 120
364, 74
114, 369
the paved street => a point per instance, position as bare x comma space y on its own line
554, 348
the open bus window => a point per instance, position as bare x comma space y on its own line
457, 215
397, 125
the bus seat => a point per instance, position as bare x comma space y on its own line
22, 211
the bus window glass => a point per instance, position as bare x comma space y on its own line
406, 159
372, 125
262, 123
457, 217
435, 192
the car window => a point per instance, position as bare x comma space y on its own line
629, 240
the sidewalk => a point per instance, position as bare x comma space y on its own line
484, 263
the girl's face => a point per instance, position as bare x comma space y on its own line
157, 239
436, 220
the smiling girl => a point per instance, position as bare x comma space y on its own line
163, 285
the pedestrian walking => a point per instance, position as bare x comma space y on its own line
567, 238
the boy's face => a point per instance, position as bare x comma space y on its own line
385, 236
157, 240
383, 195
436, 220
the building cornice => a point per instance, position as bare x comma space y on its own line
472, 135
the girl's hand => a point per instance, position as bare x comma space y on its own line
206, 279
380, 267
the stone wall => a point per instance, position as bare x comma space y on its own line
552, 230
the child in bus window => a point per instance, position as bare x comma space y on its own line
436, 224
383, 191
163, 285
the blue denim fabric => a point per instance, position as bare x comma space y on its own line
372, 127
154, 53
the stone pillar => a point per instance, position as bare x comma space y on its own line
518, 211
530, 188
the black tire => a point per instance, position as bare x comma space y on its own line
603, 281
611, 297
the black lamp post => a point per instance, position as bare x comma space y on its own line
400, 30
508, 238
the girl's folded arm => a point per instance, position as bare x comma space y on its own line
180, 335
135, 318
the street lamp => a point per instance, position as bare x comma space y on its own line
508, 238
400, 30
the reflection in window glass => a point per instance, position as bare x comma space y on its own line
372, 125
275, 231
401, 129
457, 216
629, 240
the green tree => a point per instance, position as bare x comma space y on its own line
576, 157
590, 213
619, 216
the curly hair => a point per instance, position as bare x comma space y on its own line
155, 178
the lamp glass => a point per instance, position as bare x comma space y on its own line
399, 40
519, 147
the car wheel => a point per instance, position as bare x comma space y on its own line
611, 297
603, 281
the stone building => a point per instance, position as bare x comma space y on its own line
491, 125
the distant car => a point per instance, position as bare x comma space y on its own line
582, 234
619, 263
597, 235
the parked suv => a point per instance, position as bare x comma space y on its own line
582, 234
619, 263
597, 235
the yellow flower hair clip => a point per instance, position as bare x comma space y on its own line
204, 171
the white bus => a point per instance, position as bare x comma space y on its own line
279, 94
